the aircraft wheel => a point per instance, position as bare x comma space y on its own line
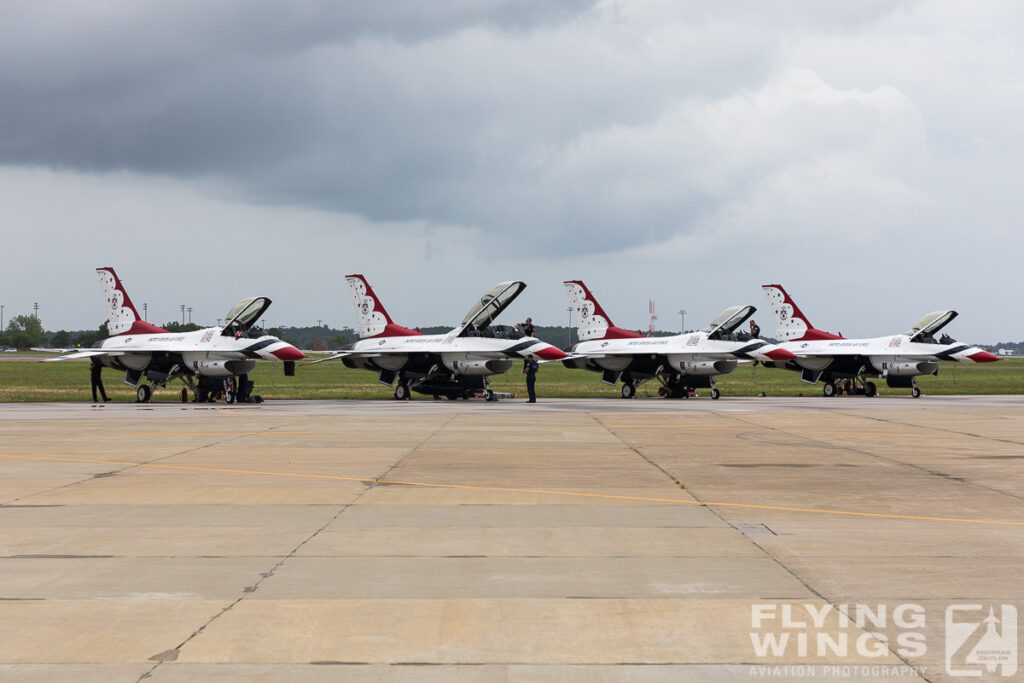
402, 391
915, 392
229, 397
870, 389
628, 390
829, 389
488, 395
143, 393
716, 394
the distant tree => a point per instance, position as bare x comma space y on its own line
178, 327
90, 339
25, 331
61, 340
339, 341
318, 345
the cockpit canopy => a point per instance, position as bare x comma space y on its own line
244, 315
496, 300
726, 322
924, 329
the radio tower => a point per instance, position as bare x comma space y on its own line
650, 327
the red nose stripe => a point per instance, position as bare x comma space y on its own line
288, 353
983, 357
550, 353
780, 354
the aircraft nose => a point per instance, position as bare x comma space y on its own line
287, 352
983, 357
778, 354
550, 353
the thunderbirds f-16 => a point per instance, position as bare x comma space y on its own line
220, 358
454, 365
681, 363
899, 358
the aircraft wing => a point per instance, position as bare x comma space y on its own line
340, 354
84, 353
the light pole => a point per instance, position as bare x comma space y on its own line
189, 315
35, 307
682, 320
145, 312
183, 314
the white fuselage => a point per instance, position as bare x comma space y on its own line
690, 354
895, 354
201, 352
461, 355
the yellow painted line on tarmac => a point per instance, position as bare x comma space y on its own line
735, 425
217, 433
503, 489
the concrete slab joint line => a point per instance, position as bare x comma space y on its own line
249, 590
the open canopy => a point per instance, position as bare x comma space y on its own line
726, 322
496, 300
925, 328
244, 314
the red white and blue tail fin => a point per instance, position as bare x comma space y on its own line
591, 320
122, 318
374, 321
790, 322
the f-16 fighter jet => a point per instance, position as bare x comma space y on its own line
456, 364
899, 358
681, 363
217, 359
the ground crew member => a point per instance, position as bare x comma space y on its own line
530, 367
95, 368
755, 331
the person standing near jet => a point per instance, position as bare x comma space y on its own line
96, 379
755, 330
530, 367
528, 327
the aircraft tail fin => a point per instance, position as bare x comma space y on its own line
790, 322
591, 320
122, 318
374, 320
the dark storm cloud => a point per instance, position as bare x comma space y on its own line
465, 113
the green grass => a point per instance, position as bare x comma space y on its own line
23, 379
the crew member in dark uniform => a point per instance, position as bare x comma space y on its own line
530, 367
755, 331
95, 368
528, 327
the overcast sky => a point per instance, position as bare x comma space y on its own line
865, 154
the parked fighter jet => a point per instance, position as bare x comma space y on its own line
681, 363
220, 358
456, 364
899, 358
